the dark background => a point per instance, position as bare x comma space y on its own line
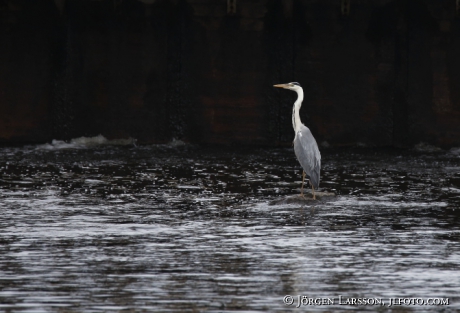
374, 72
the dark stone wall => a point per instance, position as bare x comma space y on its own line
26, 69
382, 73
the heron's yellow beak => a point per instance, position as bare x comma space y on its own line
280, 85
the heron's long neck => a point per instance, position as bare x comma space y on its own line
295, 110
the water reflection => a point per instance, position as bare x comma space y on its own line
176, 229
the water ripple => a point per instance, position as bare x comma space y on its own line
186, 229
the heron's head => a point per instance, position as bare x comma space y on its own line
292, 86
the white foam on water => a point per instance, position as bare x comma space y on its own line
424, 147
176, 143
451, 189
85, 142
455, 151
189, 187
385, 201
94, 182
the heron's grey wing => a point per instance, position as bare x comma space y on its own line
307, 152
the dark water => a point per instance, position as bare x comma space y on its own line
190, 229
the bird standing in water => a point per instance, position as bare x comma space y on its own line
305, 147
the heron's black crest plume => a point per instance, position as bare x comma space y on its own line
295, 83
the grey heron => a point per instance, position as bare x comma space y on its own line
305, 147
